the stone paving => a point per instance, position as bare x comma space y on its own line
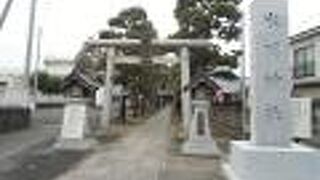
142, 155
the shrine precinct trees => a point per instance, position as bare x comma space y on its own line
140, 79
209, 19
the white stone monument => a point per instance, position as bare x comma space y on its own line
199, 140
75, 129
271, 155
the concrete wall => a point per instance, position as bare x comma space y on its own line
14, 118
52, 114
226, 121
48, 114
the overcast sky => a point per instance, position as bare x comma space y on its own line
67, 23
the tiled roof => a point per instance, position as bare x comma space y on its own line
305, 34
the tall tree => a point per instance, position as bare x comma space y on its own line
47, 84
209, 19
133, 23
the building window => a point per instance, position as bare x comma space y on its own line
304, 62
3, 86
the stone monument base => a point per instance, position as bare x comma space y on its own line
251, 162
200, 148
75, 144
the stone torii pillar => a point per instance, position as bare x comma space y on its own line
107, 105
185, 92
270, 154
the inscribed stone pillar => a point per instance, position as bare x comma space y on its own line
74, 120
199, 141
271, 73
271, 154
185, 93
106, 115
75, 128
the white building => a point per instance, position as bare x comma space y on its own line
12, 92
58, 67
305, 56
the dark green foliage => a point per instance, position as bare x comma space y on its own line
207, 19
132, 23
140, 79
48, 84
135, 22
109, 34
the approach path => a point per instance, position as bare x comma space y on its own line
143, 155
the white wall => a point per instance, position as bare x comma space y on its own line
59, 68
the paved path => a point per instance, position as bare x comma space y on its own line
142, 155
136, 157
16, 142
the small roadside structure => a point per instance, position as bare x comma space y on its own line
80, 84
80, 116
221, 86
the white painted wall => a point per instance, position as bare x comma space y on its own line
59, 68
13, 93
302, 117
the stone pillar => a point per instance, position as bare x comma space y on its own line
185, 95
199, 140
271, 154
107, 107
271, 73
75, 128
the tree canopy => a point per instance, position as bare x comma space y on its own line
209, 19
132, 23
139, 79
48, 84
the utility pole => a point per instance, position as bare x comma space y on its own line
5, 13
38, 59
29, 47
243, 82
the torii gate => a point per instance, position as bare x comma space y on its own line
183, 44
